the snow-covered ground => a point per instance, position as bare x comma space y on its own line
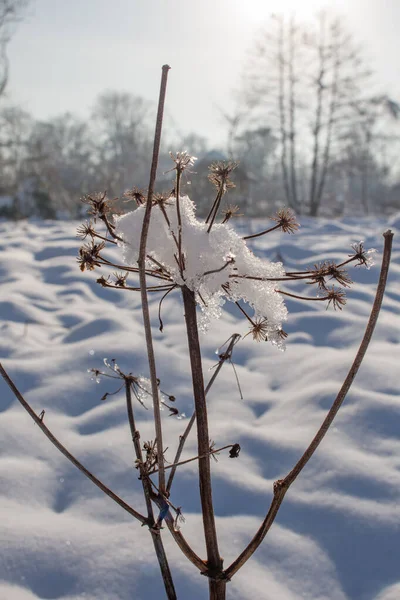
337, 535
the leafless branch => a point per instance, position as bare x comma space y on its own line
67, 454
281, 486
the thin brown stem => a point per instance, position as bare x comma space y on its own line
216, 203
110, 228
188, 460
255, 235
155, 288
298, 273
303, 297
159, 265
179, 539
179, 219
215, 207
160, 304
66, 453
142, 277
106, 239
182, 440
156, 535
108, 263
214, 561
164, 212
224, 266
281, 486
254, 278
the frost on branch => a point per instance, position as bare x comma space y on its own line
217, 265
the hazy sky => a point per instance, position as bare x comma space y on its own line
68, 51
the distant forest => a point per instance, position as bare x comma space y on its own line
310, 131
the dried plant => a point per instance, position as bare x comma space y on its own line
232, 272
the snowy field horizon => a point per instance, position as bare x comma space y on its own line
337, 534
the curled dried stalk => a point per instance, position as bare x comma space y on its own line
282, 485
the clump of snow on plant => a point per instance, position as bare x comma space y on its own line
205, 252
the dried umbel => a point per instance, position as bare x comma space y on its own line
209, 257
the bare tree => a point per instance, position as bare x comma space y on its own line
11, 13
121, 127
15, 128
365, 147
303, 82
60, 157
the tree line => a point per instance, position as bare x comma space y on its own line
310, 129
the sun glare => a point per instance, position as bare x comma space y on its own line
259, 10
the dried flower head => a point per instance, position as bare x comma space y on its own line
103, 281
332, 271
135, 194
220, 172
182, 161
85, 229
286, 220
163, 199
89, 255
336, 297
100, 205
231, 210
120, 279
364, 257
259, 330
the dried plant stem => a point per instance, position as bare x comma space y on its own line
179, 219
142, 277
179, 539
217, 589
281, 486
158, 288
182, 440
156, 535
214, 561
110, 228
66, 453
321, 299
214, 209
188, 460
255, 235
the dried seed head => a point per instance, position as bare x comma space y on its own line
102, 281
259, 330
364, 257
231, 210
120, 279
182, 161
220, 172
85, 229
336, 297
100, 205
286, 220
89, 255
162, 199
332, 271
135, 194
